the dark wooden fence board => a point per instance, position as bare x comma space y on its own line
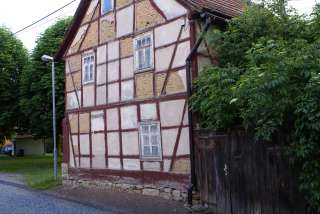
238, 175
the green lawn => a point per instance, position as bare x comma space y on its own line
37, 171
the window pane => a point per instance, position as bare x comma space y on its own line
154, 128
154, 140
146, 140
140, 59
107, 5
148, 57
147, 151
145, 129
155, 151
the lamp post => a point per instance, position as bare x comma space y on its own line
46, 58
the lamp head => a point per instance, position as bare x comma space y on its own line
46, 58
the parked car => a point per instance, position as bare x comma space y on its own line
7, 150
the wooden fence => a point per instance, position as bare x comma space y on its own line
237, 175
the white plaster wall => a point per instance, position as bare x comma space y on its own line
166, 165
101, 74
168, 141
71, 150
101, 95
151, 166
92, 7
171, 8
98, 144
84, 144
127, 90
88, 95
112, 119
127, 69
72, 101
113, 93
186, 117
181, 54
97, 121
184, 146
130, 143
102, 54
113, 50
183, 75
113, 143
125, 21
114, 163
171, 112
131, 164
163, 58
113, 71
99, 162
148, 111
77, 39
85, 163
167, 34
129, 118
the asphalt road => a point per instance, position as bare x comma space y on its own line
16, 199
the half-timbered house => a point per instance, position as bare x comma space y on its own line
127, 117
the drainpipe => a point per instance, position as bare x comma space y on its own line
194, 50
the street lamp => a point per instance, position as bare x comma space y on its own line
46, 58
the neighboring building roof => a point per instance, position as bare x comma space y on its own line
227, 8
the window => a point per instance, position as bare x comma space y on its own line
88, 66
143, 52
150, 140
107, 5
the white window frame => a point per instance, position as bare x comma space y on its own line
142, 145
136, 52
102, 6
88, 55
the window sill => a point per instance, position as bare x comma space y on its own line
144, 70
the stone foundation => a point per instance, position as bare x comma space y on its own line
165, 192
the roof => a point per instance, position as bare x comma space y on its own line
226, 8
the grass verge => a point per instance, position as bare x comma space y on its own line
37, 171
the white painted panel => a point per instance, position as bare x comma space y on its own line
184, 146
171, 8
127, 90
72, 101
166, 165
113, 50
71, 150
167, 34
125, 21
80, 34
113, 93
127, 69
99, 162
151, 166
101, 95
183, 75
114, 163
168, 141
113, 143
186, 117
97, 121
113, 71
92, 6
88, 95
102, 54
101, 74
98, 144
85, 163
148, 111
84, 145
181, 54
112, 119
171, 112
131, 164
129, 118
130, 143
163, 58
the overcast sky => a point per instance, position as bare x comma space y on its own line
16, 14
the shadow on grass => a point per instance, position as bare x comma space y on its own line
37, 171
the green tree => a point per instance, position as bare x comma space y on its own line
35, 88
13, 58
268, 81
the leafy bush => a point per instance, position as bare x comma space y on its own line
268, 80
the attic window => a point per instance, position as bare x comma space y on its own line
107, 6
